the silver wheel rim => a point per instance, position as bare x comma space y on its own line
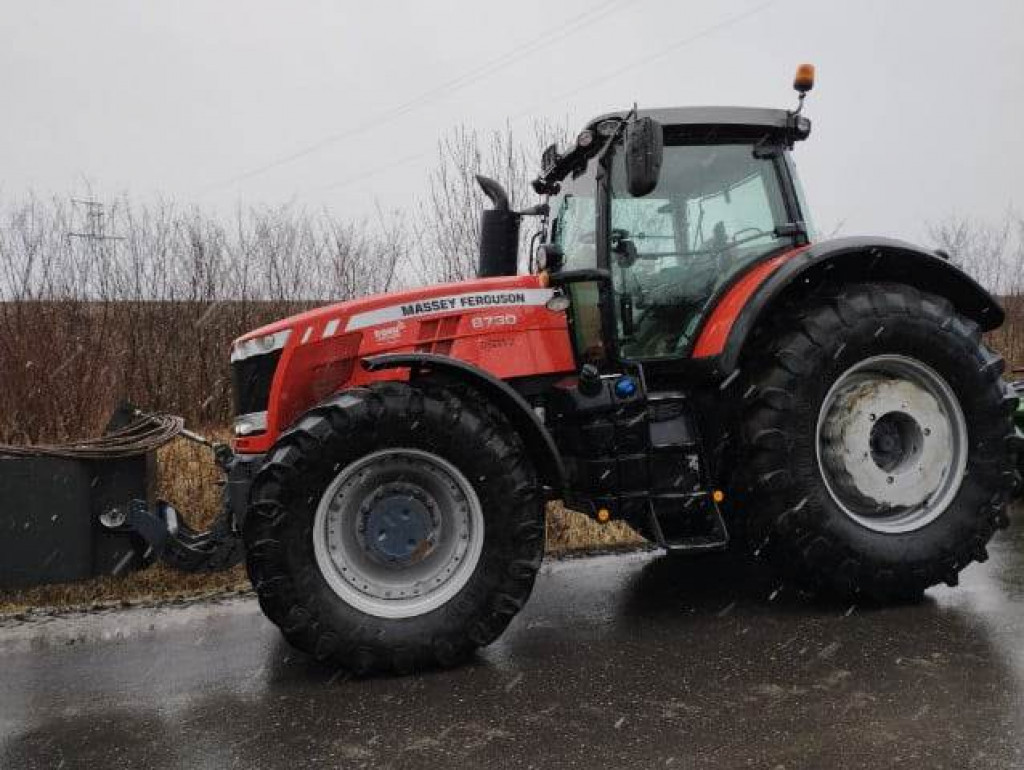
892, 443
398, 533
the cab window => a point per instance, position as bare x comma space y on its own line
716, 210
574, 223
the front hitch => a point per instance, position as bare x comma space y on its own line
180, 546
174, 541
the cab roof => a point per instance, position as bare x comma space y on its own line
683, 125
749, 117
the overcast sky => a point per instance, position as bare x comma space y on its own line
917, 112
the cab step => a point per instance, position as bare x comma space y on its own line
688, 522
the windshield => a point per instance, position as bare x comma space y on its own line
714, 212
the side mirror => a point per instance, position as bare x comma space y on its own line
644, 147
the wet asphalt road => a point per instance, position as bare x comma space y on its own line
618, 661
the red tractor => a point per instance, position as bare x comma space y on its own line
683, 355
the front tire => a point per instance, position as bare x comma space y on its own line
395, 527
874, 443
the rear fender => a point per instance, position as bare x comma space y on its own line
517, 411
846, 260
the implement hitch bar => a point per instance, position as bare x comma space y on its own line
169, 535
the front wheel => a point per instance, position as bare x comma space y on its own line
875, 432
395, 527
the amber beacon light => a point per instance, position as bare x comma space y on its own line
804, 80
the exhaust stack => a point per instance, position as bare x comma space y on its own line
499, 233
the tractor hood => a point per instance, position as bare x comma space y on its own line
381, 309
501, 325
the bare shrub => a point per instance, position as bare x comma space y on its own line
87, 322
993, 253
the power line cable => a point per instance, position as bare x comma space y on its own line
660, 53
494, 65
404, 161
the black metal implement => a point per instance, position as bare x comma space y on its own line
80, 509
54, 513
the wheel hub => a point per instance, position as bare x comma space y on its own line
896, 440
399, 526
892, 443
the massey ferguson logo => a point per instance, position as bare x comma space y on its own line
464, 301
452, 303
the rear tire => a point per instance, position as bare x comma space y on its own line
844, 504
355, 480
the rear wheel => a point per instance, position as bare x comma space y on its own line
395, 527
874, 432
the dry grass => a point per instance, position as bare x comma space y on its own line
188, 477
569, 531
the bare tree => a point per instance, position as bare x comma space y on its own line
990, 251
993, 253
448, 225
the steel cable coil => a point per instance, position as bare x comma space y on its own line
145, 433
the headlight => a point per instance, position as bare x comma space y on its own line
247, 424
258, 346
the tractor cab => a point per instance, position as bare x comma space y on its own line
660, 212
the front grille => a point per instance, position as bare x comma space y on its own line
251, 379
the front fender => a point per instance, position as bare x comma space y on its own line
519, 413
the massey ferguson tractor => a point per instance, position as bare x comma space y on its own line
682, 354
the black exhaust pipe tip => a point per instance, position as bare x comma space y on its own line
494, 191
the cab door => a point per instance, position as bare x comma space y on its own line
717, 210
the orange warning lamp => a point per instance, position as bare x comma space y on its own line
804, 80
